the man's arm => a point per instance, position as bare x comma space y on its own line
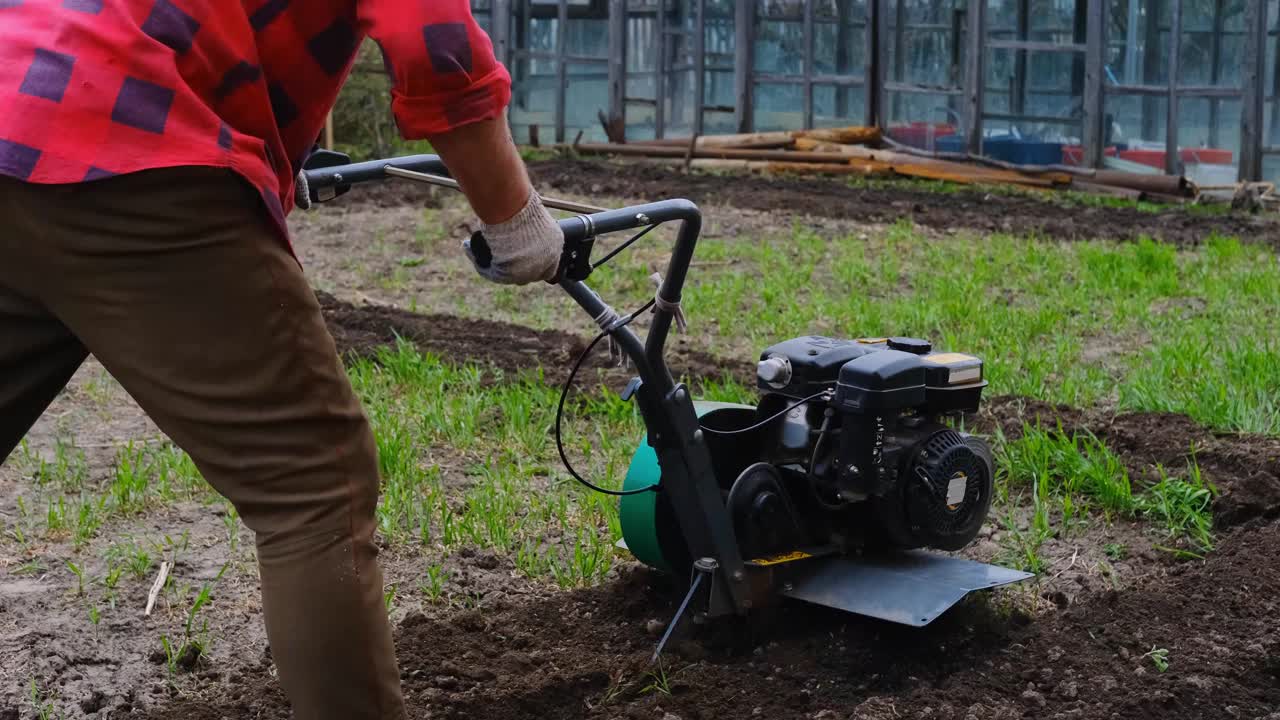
484, 160
449, 88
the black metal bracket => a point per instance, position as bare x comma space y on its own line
575, 261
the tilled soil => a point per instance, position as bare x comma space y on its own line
585, 654
969, 209
361, 331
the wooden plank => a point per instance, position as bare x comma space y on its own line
780, 138
670, 151
866, 169
971, 175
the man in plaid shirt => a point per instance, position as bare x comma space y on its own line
147, 156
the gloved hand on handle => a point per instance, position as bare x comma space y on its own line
524, 249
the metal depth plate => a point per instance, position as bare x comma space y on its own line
910, 588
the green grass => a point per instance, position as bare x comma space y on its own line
1182, 506
67, 504
1071, 466
1069, 479
1142, 324
43, 702
504, 489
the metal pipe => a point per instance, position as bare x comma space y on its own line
576, 229
323, 178
442, 181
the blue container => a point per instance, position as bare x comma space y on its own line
1021, 151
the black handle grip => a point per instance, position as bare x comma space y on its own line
479, 247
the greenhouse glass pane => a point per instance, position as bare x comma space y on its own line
838, 106
840, 41
778, 106
779, 47
588, 94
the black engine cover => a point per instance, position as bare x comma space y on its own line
942, 496
815, 363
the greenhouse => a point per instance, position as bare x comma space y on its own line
1180, 86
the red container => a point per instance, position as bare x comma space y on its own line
1206, 156
1190, 156
921, 134
1154, 158
1074, 154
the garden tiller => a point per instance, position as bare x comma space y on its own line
833, 489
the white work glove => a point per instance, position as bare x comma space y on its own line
302, 192
524, 249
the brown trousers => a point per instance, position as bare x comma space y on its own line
175, 282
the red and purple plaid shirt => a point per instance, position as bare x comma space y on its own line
95, 88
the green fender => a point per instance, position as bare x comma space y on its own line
638, 513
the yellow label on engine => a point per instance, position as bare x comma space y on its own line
948, 358
783, 558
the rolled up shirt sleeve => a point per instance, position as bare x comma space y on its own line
442, 64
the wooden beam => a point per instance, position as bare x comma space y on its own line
1172, 159
617, 117
1252, 112
1094, 130
1151, 66
1215, 69
562, 70
671, 151
699, 64
975, 77
807, 66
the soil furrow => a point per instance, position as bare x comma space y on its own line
973, 209
1245, 468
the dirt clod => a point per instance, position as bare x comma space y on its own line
94, 702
